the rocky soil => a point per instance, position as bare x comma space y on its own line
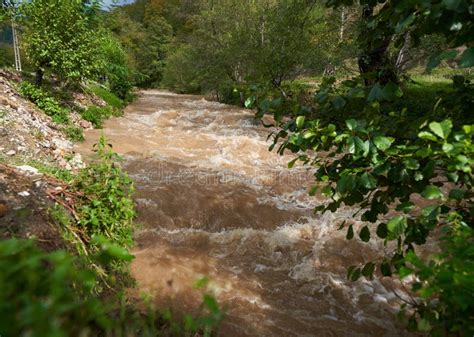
28, 137
28, 134
24, 206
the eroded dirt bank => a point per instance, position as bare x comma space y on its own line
213, 201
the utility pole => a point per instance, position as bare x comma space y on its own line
343, 21
16, 46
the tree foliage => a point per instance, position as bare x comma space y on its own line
407, 173
277, 35
63, 45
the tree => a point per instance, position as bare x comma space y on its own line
277, 35
114, 64
390, 23
59, 38
158, 36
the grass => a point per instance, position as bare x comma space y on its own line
423, 91
107, 96
49, 169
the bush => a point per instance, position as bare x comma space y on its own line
96, 114
115, 66
445, 284
45, 102
44, 294
74, 133
50, 294
107, 207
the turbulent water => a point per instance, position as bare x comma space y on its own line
214, 201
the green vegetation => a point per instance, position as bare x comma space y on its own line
74, 133
45, 102
390, 142
53, 295
96, 115
112, 209
64, 46
28, 274
107, 96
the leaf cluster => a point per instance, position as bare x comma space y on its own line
45, 102
107, 207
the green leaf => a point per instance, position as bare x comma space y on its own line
211, 303
424, 325
383, 143
436, 59
457, 194
405, 207
350, 270
345, 184
442, 129
382, 230
408, 20
309, 134
355, 275
365, 234
431, 212
404, 272
432, 192
467, 58
412, 164
447, 148
392, 91
327, 191
397, 225
351, 124
249, 102
376, 93
264, 106
350, 233
292, 162
367, 181
300, 122
339, 102
201, 282
427, 135
385, 269
368, 270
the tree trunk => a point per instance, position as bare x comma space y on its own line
39, 76
374, 62
402, 54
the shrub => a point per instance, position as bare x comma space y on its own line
50, 294
74, 133
45, 102
115, 66
445, 285
107, 207
44, 294
96, 114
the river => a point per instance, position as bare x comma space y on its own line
213, 201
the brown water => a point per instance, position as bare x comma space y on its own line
214, 201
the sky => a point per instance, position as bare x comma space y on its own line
117, 2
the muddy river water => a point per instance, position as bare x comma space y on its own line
213, 201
